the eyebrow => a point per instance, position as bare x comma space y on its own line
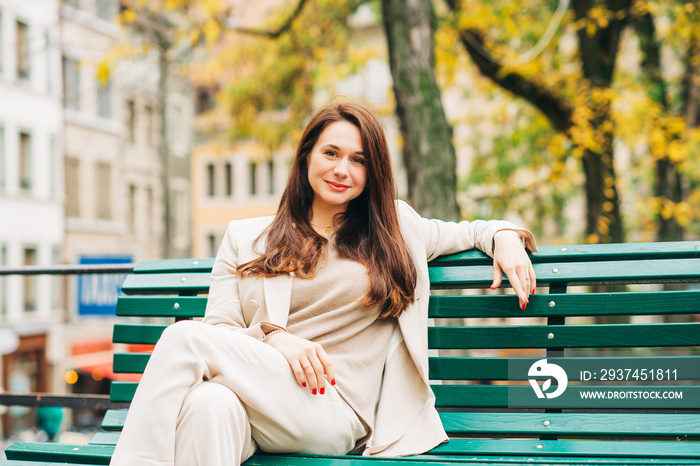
359, 152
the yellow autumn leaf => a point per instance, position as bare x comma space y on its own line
103, 72
128, 16
683, 214
603, 227
211, 31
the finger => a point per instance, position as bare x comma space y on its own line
517, 285
327, 366
310, 377
533, 279
497, 275
520, 292
525, 280
299, 373
315, 376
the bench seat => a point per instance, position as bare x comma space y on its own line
630, 310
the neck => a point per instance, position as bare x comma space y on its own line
323, 217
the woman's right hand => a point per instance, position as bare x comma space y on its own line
308, 360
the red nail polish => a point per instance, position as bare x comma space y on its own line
323, 391
532, 292
332, 381
303, 384
524, 306
313, 392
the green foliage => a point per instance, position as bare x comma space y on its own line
628, 113
267, 84
526, 170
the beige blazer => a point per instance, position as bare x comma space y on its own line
407, 422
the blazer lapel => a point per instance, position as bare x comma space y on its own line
278, 294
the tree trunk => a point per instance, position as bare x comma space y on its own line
429, 154
598, 56
669, 181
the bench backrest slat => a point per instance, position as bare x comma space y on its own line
588, 253
566, 336
578, 304
497, 368
575, 273
168, 306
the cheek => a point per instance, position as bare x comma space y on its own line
361, 177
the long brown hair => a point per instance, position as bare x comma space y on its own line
368, 231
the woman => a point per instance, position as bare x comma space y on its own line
315, 334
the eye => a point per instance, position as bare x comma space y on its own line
330, 153
360, 160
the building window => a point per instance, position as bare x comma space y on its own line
30, 281
271, 177
72, 187
106, 9
3, 282
54, 165
204, 100
150, 125
180, 136
180, 213
104, 191
22, 49
132, 208
211, 172
71, 83
104, 99
228, 173
149, 210
2, 46
47, 56
131, 120
212, 245
25, 161
57, 281
253, 178
2, 156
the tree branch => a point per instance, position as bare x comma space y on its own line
556, 110
272, 34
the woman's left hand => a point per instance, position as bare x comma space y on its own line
509, 257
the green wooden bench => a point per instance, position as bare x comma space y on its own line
601, 311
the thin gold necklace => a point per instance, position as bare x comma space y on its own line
328, 228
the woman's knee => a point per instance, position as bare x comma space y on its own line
178, 333
211, 398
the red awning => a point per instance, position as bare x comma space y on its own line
98, 363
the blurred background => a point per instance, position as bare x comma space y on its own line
136, 130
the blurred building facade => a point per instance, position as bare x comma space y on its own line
86, 147
31, 191
127, 148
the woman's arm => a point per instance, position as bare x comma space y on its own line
501, 240
224, 307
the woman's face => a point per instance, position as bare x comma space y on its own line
337, 167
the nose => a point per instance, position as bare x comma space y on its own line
341, 168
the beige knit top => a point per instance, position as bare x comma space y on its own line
326, 309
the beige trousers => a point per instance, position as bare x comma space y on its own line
210, 396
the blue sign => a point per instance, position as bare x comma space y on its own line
97, 293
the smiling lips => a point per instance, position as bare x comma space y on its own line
337, 186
